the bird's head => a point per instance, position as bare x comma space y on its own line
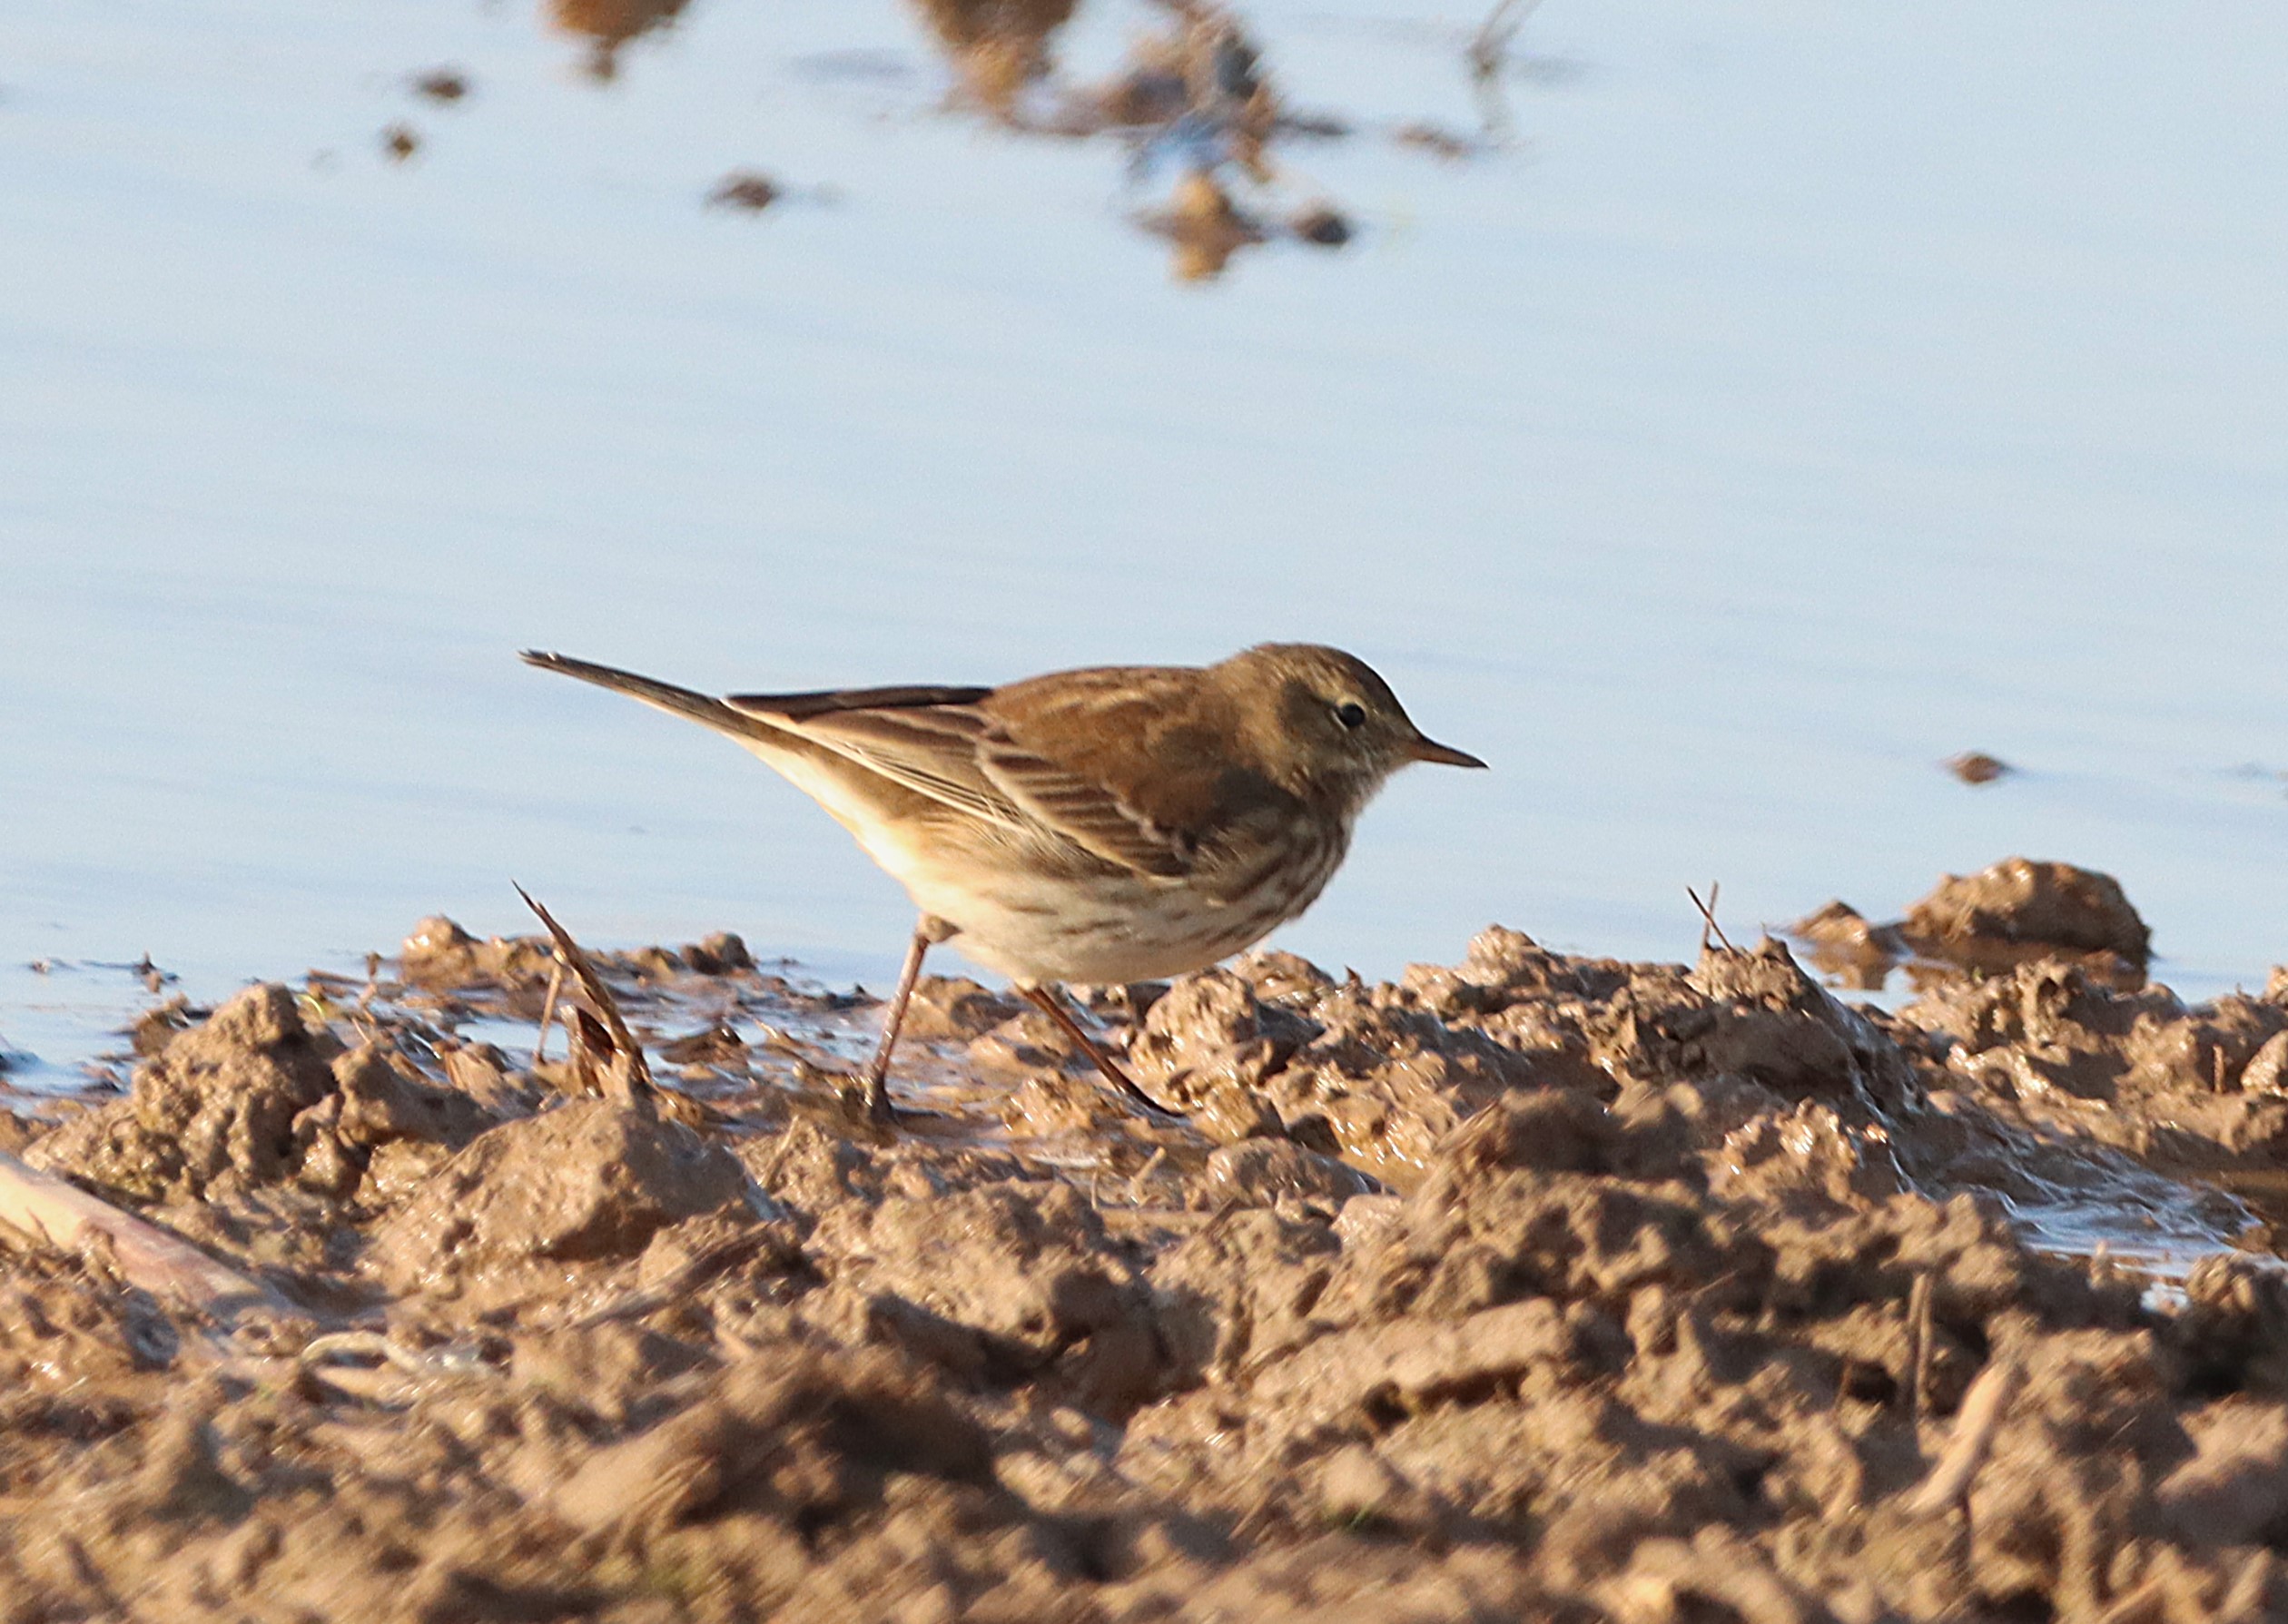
1323, 723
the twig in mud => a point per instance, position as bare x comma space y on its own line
1918, 1327
1980, 1418
1708, 916
165, 1265
548, 1013
1153, 1163
570, 955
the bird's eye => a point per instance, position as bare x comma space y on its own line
1351, 714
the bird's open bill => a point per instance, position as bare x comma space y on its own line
1430, 749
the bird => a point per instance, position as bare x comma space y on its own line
1112, 824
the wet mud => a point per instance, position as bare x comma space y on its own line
1534, 1285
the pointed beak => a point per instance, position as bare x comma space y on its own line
1430, 749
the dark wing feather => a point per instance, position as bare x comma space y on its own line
825, 702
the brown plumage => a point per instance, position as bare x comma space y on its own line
1112, 824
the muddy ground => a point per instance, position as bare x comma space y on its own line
1537, 1287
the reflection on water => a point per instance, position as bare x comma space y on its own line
1204, 226
997, 47
1190, 97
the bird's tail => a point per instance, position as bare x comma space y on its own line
664, 696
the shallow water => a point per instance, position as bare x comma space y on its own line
1804, 396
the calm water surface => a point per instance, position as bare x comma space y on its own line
1807, 393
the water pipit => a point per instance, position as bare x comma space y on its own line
1122, 823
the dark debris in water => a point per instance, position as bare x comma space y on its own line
746, 190
445, 86
1320, 225
1975, 766
1437, 140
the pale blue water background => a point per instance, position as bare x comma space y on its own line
1813, 392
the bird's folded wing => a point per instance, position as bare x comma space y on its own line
1083, 811
931, 749
937, 743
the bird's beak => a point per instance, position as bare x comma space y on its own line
1430, 749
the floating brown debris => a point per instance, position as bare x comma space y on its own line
745, 189
1438, 142
1320, 225
441, 84
610, 26
1531, 1286
399, 142
1975, 766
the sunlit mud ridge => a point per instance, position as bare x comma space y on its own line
1533, 1286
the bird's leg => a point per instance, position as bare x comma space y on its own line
1049, 1004
928, 931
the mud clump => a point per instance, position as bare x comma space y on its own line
439, 954
2020, 901
1976, 767
255, 1096
744, 189
591, 1179
2018, 912
216, 1106
2182, 1087
1534, 1286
